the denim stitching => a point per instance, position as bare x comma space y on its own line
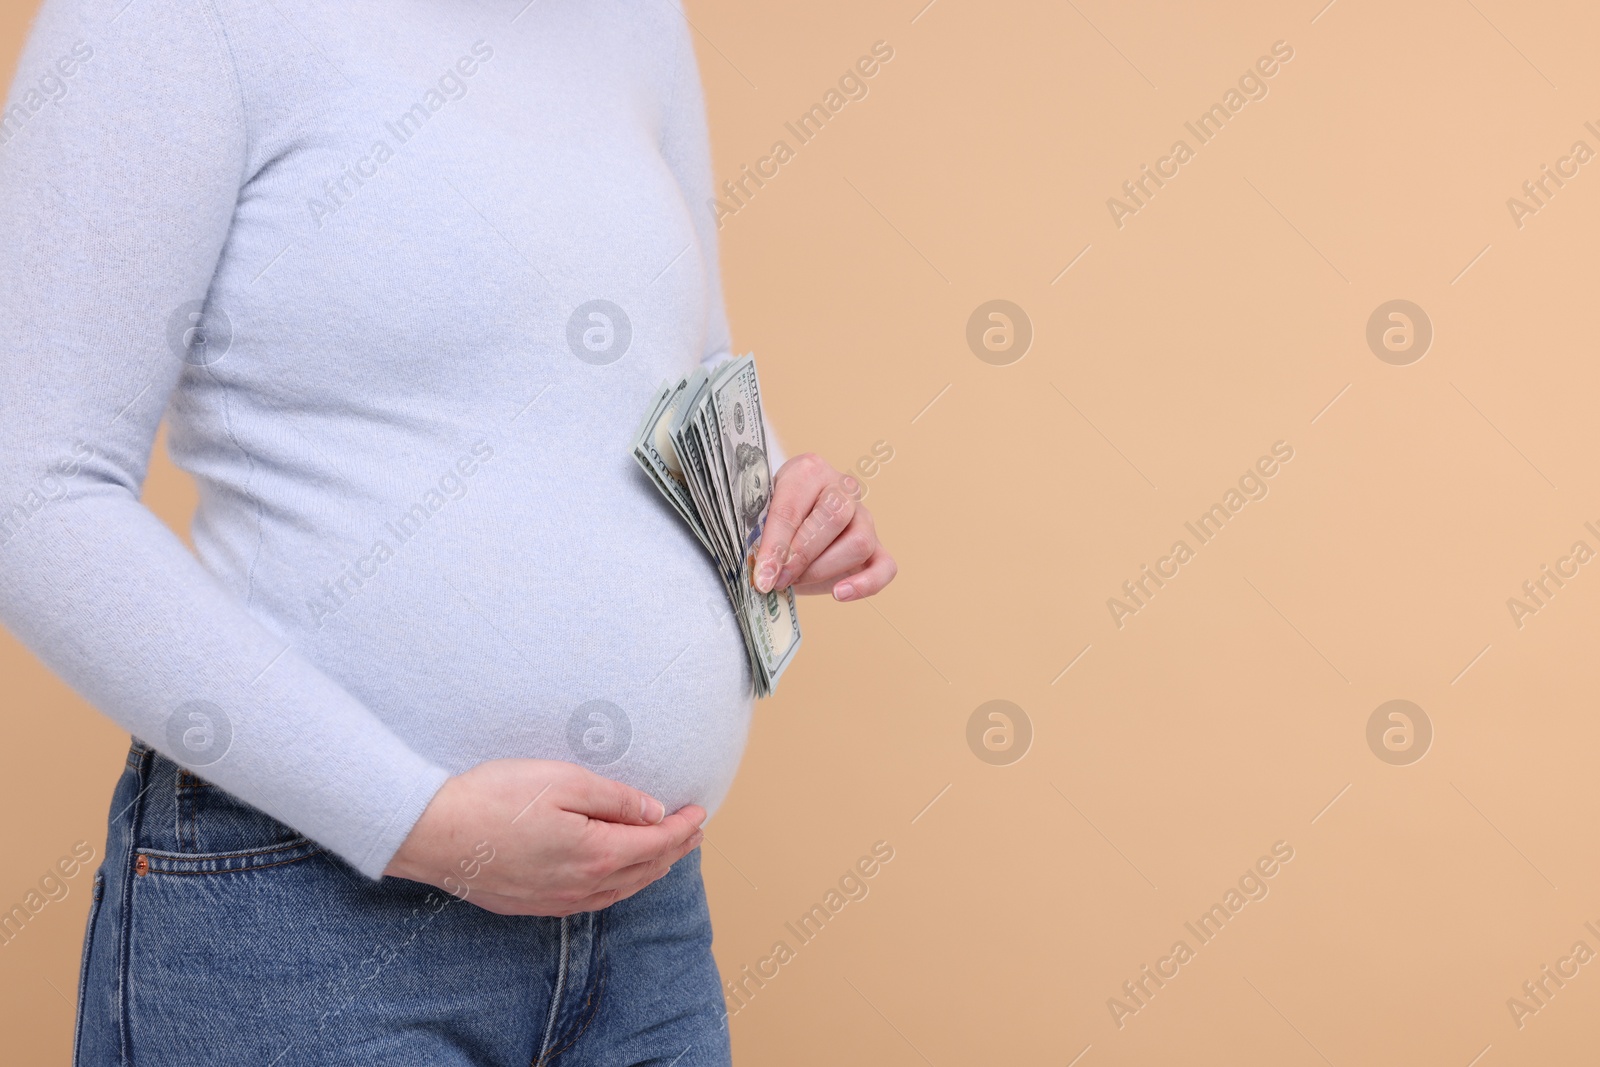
242, 853
237, 854
591, 1003
83, 977
164, 862
237, 870
125, 934
556, 995
187, 833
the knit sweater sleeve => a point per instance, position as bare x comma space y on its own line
123, 150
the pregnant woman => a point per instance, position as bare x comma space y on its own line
424, 736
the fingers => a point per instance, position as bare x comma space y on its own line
870, 580
601, 798
834, 511
806, 501
823, 588
606, 898
795, 489
625, 846
630, 880
847, 554
808, 511
639, 875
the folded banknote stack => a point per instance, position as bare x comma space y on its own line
704, 444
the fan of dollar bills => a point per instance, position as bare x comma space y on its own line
704, 445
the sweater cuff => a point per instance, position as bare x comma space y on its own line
406, 814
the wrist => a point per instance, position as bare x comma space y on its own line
410, 860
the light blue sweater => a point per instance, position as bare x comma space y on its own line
422, 542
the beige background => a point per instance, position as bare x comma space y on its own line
1231, 712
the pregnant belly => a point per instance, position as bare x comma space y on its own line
587, 627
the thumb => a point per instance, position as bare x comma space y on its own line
601, 798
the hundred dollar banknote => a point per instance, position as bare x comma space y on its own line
703, 444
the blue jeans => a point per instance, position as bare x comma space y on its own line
220, 936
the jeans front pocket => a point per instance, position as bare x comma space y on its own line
191, 826
154, 861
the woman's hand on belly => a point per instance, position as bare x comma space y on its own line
542, 837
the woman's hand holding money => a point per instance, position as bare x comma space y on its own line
818, 536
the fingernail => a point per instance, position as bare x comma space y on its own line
766, 573
844, 591
695, 839
651, 810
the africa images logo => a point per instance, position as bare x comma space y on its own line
599, 332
